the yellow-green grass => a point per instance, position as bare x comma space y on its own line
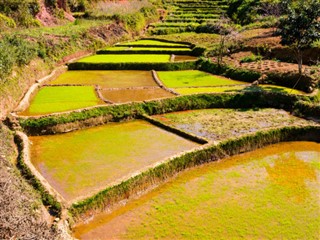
130, 95
194, 78
62, 98
273, 88
153, 43
107, 79
81, 163
147, 48
220, 124
126, 58
271, 193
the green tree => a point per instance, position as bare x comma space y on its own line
300, 26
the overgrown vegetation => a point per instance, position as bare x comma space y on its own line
19, 12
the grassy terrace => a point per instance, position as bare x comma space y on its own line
127, 58
186, 16
80, 163
271, 193
60, 98
132, 95
194, 78
107, 79
153, 43
221, 124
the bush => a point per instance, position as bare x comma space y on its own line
231, 72
6, 22
22, 12
243, 11
252, 58
7, 60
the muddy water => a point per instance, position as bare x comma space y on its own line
179, 58
271, 193
130, 95
107, 79
81, 163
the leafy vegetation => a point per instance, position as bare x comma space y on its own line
300, 27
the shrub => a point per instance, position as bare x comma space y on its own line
231, 72
252, 58
7, 60
6, 22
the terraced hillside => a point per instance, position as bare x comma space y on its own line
188, 16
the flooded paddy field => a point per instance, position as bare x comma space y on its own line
62, 98
220, 124
182, 58
270, 193
80, 163
194, 78
107, 79
130, 95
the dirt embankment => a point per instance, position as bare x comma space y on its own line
47, 17
22, 215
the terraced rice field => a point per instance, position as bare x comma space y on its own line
80, 163
271, 193
187, 16
194, 78
61, 98
221, 124
134, 95
126, 58
107, 79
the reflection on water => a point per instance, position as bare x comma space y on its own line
270, 193
292, 173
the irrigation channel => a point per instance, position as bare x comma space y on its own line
137, 142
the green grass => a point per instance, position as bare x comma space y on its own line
153, 43
271, 193
59, 99
220, 124
125, 58
194, 78
267, 87
83, 162
107, 79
